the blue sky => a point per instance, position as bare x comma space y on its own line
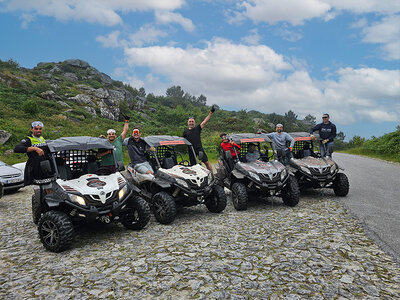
309, 56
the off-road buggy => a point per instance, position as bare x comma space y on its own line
177, 181
266, 176
79, 190
314, 171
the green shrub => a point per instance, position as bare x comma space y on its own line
30, 107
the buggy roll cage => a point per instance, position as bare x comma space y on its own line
165, 144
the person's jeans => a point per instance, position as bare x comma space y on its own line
324, 149
286, 158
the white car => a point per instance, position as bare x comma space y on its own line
11, 177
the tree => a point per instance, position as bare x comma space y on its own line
175, 92
201, 100
142, 92
309, 120
290, 117
340, 136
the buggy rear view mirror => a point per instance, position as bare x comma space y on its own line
45, 167
228, 154
120, 166
201, 155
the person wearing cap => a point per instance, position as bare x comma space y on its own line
252, 153
280, 140
137, 148
107, 159
327, 133
229, 145
193, 135
35, 146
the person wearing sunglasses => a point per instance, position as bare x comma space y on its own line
137, 148
35, 146
327, 132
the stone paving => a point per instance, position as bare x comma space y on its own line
315, 250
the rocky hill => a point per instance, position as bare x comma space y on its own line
74, 98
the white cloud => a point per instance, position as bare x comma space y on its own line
147, 34
169, 17
111, 40
297, 12
255, 77
292, 11
366, 6
386, 32
92, 11
253, 38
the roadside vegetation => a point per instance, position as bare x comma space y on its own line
386, 147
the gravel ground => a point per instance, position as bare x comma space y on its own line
315, 250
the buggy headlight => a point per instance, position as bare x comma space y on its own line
255, 176
77, 199
283, 174
305, 170
181, 182
122, 192
333, 168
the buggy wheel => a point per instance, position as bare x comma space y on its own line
56, 231
137, 214
341, 185
164, 207
216, 201
239, 196
291, 192
36, 209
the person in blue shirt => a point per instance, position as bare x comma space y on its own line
327, 133
280, 140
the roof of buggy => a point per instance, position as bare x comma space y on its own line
303, 136
78, 143
165, 140
248, 137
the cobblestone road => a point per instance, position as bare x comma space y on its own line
315, 250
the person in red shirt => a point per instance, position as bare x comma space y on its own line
229, 145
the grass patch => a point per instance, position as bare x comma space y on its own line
368, 153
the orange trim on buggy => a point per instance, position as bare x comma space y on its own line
305, 138
162, 143
252, 140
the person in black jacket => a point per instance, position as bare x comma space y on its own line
137, 148
35, 146
327, 132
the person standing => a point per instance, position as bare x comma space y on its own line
35, 146
280, 140
193, 135
327, 133
107, 159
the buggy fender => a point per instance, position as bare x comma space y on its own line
161, 183
133, 188
52, 202
237, 174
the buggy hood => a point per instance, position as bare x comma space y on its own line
317, 163
268, 169
78, 143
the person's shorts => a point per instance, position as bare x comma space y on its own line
143, 167
205, 158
